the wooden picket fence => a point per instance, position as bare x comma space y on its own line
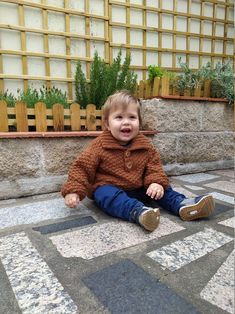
40, 119
162, 87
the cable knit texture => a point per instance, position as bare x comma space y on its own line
105, 161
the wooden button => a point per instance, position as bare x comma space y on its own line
129, 165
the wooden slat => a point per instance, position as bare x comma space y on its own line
88, 42
197, 92
21, 117
58, 117
90, 117
165, 85
207, 88
23, 43
3, 117
40, 117
156, 86
148, 90
141, 89
187, 92
75, 117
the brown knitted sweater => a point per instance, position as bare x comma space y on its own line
105, 161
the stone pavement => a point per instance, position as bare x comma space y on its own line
59, 260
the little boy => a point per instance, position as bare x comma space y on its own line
121, 170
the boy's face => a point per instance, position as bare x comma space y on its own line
124, 123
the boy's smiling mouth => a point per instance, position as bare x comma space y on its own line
126, 130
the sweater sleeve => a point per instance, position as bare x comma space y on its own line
154, 172
82, 173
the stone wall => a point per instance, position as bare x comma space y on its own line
193, 137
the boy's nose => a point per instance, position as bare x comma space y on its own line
126, 121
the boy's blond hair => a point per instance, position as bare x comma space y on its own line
122, 98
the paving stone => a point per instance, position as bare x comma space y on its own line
101, 239
126, 288
8, 303
223, 197
226, 172
68, 224
180, 189
220, 289
36, 212
221, 208
182, 252
196, 178
228, 222
222, 185
32, 281
194, 187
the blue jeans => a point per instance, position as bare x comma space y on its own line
128, 205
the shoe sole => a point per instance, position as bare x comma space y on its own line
202, 209
150, 220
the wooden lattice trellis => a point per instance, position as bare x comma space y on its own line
155, 32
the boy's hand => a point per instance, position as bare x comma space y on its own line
72, 200
155, 191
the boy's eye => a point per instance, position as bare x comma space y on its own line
118, 117
133, 117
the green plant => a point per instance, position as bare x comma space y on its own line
222, 84
105, 79
188, 79
81, 86
9, 98
206, 72
53, 95
154, 71
170, 74
30, 97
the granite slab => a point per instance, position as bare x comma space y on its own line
194, 187
126, 288
220, 289
182, 252
223, 197
102, 239
228, 222
196, 178
64, 225
225, 186
182, 190
37, 211
36, 288
220, 208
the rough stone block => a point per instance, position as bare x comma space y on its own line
217, 117
171, 115
166, 143
205, 146
58, 154
19, 157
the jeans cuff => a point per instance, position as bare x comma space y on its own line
135, 213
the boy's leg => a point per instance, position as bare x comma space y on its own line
187, 208
117, 203
171, 200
